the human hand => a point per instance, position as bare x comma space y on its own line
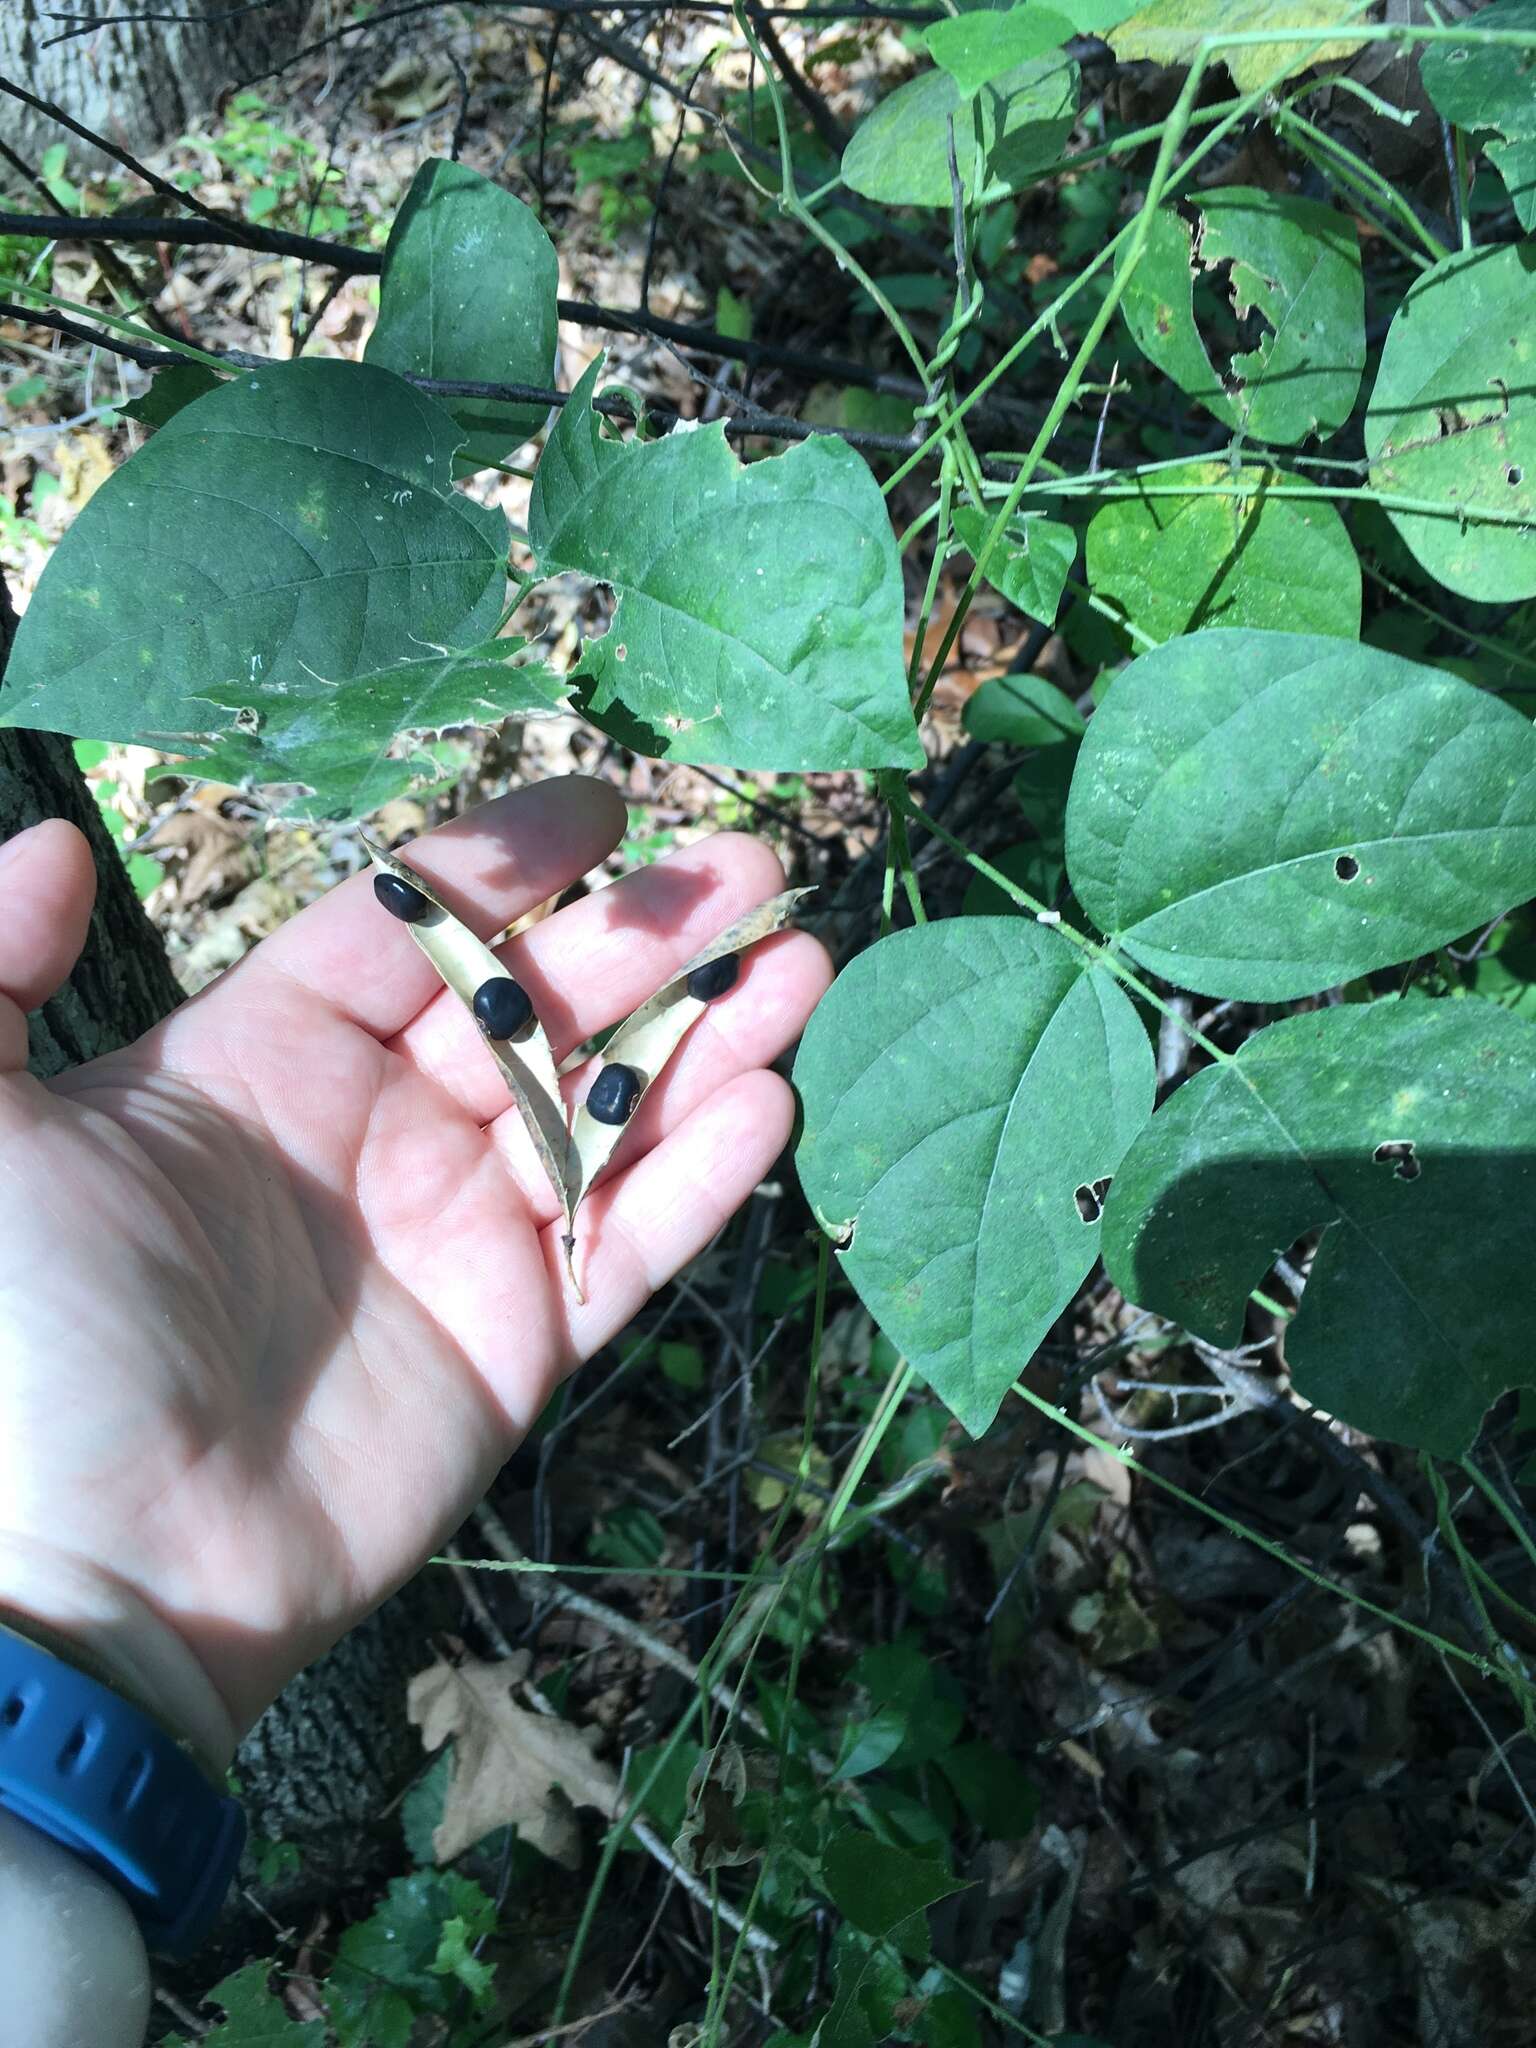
282, 1284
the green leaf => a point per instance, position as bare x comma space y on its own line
1296, 265
1402, 1129
1022, 711
387, 1963
169, 391
882, 1890
900, 153
1038, 869
630, 1537
1264, 815
976, 48
1490, 85
760, 612
870, 1982
281, 534
1515, 163
995, 1790
1041, 788
1173, 564
253, 2018
1453, 420
326, 753
1032, 559
469, 288
962, 1083
455, 1958
1169, 32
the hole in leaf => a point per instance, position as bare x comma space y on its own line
1089, 1198
1398, 1153
1514, 475
1346, 867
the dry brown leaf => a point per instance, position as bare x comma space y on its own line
510, 1768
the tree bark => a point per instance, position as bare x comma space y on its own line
138, 82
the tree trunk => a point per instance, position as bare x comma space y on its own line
138, 82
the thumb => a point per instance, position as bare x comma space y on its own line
47, 887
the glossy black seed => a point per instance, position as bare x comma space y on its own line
400, 899
612, 1097
502, 1007
713, 979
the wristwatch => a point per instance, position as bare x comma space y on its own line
92, 1771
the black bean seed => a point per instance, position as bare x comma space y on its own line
502, 1007
612, 1097
714, 978
401, 900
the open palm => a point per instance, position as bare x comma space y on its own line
281, 1285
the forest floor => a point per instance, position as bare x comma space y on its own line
1254, 1814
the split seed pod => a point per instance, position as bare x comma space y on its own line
650, 1037
467, 965
572, 1152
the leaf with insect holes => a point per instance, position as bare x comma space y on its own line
510, 1767
468, 292
1295, 266
759, 618
286, 533
253, 2018
1264, 815
333, 753
1170, 32
1402, 1130
526, 1062
1488, 85
1452, 420
1005, 133
1032, 559
965, 1087
1228, 554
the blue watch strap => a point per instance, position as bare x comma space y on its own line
89, 1769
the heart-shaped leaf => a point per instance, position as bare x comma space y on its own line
1452, 421
286, 533
1295, 264
1004, 133
469, 290
1022, 711
1263, 815
1032, 560
1404, 1131
760, 609
335, 753
966, 1087
1230, 556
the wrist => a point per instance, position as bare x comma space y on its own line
87, 1617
